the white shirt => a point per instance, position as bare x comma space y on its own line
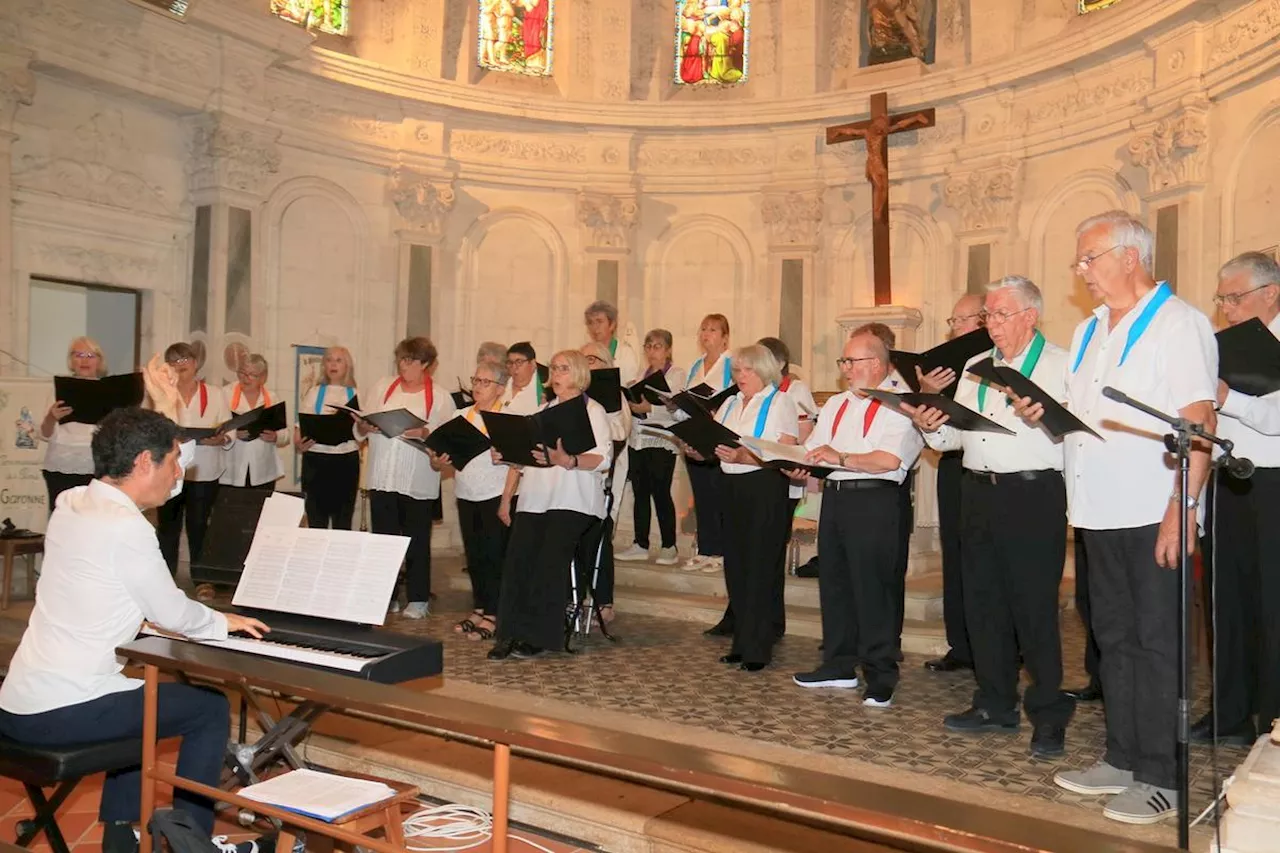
69, 450
481, 480
1032, 448
628, 363
889, 430
210, 460
806, 412
658, 415
744, 418
1126, 481
333, 395
394, 466
577, 489
1253, 423
254, 461
719, 376
523, 402
103, 574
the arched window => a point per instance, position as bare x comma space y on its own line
328, 16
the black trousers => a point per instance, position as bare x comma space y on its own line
330, 482
401, 515
595, 545
906, 524
1135, 618
194, 502
707, 482
57, 483
650, 471
859, 541
754, 553
950, 472
484, 539
535, 576
778, 596
201, 717
1015, 544
1091, 655
1247, 574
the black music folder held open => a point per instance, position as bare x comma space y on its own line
958, 416
91, 400
462, 397
647, 388
459, 440
516, 436
1057, 419
391, 424
1249, 358
704, 434
257, 421
329, 430
710, 398
196, 433
606, 388
954, 354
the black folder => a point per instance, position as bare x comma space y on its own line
256, 421
710, 399
1057, 419
647, 388
391, 423
516, 436
606, 388
954, 354
959, 416
91, 400
1249, 358
704, 434
462, 397
459, 440
196, 433
328, 430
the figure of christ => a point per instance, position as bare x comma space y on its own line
876, 135
902, 16
533, 31
693, 66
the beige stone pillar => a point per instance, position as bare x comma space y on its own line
17, 87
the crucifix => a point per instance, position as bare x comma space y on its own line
876, 131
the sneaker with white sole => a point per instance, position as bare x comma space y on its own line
1099, 779
634, 554
825, 678
695, 563
668, 557
263, 844
878, 698
416, 610
1142, 803
713, 565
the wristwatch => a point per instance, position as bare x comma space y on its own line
1191, 503
840, 457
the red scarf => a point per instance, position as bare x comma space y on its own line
235, 397
786, 383
428, 393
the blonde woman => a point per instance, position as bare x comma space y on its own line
713, 368
68, 461
253, 462
330, 472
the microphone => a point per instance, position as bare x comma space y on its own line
1115, 394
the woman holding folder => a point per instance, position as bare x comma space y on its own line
714, 369
253, 462
68, 460
557, 505
403, 487
330, 472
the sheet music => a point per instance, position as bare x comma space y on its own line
326, 796
336, 574
281, 510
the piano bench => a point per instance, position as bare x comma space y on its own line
61, 768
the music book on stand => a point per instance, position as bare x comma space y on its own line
516, 436
1249, 358
959, 416
1057, 420
459, 440
606, 388
954, 354
91, 400
323, 796
391, 424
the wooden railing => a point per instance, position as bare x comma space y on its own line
892, 818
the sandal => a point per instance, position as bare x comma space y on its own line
481, 632
466, 626
606, 614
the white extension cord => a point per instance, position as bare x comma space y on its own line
470, 827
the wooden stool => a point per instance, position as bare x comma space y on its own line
385, 815
24, 546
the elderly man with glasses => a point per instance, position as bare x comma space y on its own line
1013, 522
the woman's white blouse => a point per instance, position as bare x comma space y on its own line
210, 460
577, 489
743, 418
254, 461
68, 451
481, 480
394, 466
333, 395
658, 416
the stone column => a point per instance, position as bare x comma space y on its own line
17, 87
793, 219
606, 222
423, 203
985, 199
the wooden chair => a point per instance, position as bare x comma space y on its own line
12, 549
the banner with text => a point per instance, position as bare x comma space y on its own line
23, 497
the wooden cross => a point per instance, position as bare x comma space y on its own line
876, 131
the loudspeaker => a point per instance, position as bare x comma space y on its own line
232, 523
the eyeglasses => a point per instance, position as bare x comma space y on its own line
594, 359
178, 362
999, 318
654, 345
850, 362
83, 354
963, 318
1083, 264
559, 368
1234, 299
516, 362
482, 380
246, 374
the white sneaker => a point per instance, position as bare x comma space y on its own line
416, 610
225, 846
713, 565
668, 557
694, 563
634, 554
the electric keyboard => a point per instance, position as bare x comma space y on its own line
361, 651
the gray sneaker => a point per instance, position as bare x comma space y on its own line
1142, 803
1099, 779
416, 610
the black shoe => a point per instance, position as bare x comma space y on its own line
978, 720
946, 664
718, 630
751, 667
1049, 741
1091, 692
808, 570
731, 658
501, 650
1241, 734
524, 651
119, 837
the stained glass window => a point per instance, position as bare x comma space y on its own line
516, 36
1095, 5
328, 16
712, 41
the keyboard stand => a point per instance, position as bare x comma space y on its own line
277, 742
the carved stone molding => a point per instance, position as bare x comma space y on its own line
1253, 26
986, 197
497, 146
96, 264
226, 153
609, 219
793, 218
1174, 151
422, 202
17, 86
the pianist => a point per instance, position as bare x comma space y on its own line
103, 575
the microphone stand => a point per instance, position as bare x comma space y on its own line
1179, 442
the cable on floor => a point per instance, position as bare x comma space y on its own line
470, 827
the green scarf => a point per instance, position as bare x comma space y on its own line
1028, 365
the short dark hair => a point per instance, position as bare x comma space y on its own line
181, 349
125, 433
880, 330
417, 349
523, 349
780, 352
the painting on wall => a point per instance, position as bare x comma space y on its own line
516, 36
898, 29
328, 16
1095, 5
713, 38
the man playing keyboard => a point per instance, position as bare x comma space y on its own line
103, 575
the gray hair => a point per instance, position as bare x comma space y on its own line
491, 351
1029, 295
1262, 269
257, 362
661, 336
757, 358
601, 306
1127, 232
599, 350
496, 368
